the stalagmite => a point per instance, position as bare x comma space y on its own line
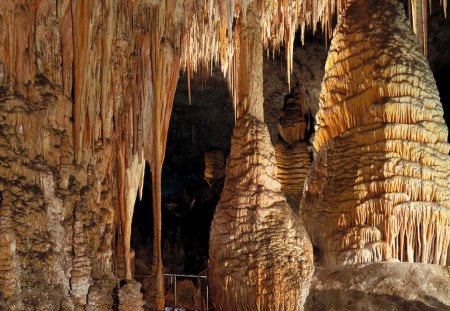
260, 255
293, 165
292, 154
294, 121
379, 187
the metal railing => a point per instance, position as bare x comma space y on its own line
173, 277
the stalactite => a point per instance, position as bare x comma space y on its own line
165, 62
81, 11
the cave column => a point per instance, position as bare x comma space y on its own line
157, 251
260, 257
250, 84
165, 71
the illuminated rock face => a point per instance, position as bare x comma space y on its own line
293, 158
379, 187
214, 166
260, 257
260, 254
73, 84
293, 164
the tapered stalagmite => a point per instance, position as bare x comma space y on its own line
379, 187
260, 255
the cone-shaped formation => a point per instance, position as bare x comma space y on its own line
380, 185
130, 297
260, 254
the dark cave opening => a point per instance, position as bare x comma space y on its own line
442, 76
188, 199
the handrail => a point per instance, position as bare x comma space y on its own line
174, 277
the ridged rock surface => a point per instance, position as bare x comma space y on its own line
295, 119
379, 187
380, 287
214, 166
130, 297
70, 80
293, 165
260, 254
292, 154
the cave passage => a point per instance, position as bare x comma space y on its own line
188, 198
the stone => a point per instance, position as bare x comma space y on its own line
381, 286
379, 187
260, 254
130, 297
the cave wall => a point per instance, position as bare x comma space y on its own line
70, 75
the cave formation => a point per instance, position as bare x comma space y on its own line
140, 138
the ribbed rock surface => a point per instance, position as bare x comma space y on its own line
295, 119
130, 297
260, 255
292, 154
379, 187
293, 165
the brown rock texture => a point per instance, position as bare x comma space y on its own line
293, 166
379, 187
306, 80
86, 90
295, 119
189, 296
130, 297
381, 286
292, 154
76, 100
57, 209
260, 257
260, 254
214, 166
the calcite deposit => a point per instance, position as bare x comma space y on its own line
379, 187
292, 154
86, 95
260, 255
